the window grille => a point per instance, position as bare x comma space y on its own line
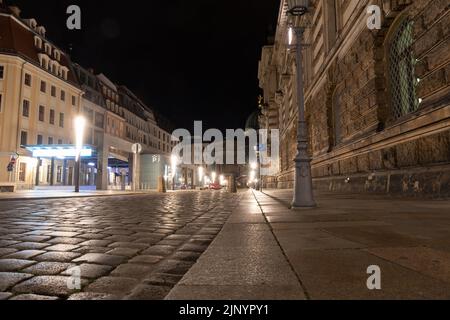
401, 71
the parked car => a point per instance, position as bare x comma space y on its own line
215, 186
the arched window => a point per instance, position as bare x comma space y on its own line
57, 55
41, 30
38, 42
401, 71
48, 49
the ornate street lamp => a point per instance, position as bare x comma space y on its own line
298, 7
303, 193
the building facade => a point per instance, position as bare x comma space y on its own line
42, 91
377, 100
39, 95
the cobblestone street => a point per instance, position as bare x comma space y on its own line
127, 247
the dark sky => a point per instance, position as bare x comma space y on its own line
188, 59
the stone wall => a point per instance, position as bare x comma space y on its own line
359, 146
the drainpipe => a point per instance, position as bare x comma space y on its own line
18, 117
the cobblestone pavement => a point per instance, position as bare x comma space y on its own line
127, 247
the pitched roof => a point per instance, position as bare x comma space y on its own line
17, 38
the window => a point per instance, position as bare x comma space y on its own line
41, 113
50, 140
22, 172
2, 71
98, 138
49, 173
89, 136
63, 95
60, 141
52, 116
401, 71
61, 120
74, 100
28, 79
40, 139
337, 121
53, 91
38, 42
43, 86
89, 114
59, 174
41, 30
57, 55
99, 120
23, 138
48, 49
26, 108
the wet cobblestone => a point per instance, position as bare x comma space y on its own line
126, 247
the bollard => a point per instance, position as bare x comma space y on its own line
232, 184
161, 185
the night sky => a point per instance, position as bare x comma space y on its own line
187, 59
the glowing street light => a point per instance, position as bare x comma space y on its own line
79, 125
213, 177
252, 176
290, 36
254, 165
201, 173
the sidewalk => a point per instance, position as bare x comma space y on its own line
60, 192
266, 251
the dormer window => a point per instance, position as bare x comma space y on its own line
32, 23
48, 49
54, 68
41, 30
63, 72
57, 55
38, 42
44, 61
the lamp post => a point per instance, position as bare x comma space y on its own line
136, 149
303, 193
79, 123
258, 165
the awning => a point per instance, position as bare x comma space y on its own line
60, 151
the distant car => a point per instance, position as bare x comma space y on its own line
215, 186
